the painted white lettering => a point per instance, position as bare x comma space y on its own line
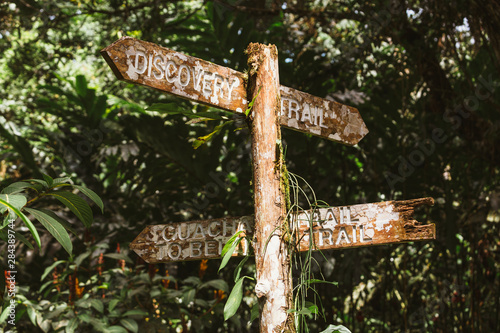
179, 231
187, 77
218, 82
199, 232
230, 87
330, 217
195, 249
150, 64
158, 64
139, 54
211, 248
207, 82
343, 236
228, 226
306, 113
168, 73
293, 106
174, 254
197, 77
345, 215
171, 231
317, 115
214, 225
354, 234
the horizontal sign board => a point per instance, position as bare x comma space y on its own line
321, 229
148, 64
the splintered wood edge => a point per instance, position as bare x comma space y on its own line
415, 230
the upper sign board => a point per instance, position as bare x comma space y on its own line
148, 64
331, 228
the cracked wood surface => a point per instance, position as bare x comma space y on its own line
150, 65
351, 226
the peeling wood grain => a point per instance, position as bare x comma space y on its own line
372, 224
150, 65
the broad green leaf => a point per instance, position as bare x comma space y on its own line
40, 182
216, 284
81, 85
234, 299
76, 204
97, 304
31, 314
237, 271
16, 200
336, 329
119, 256
84, 317
4, 315
115, 329
81, 258
91, 195
130, 324
255, 312
135, 313
59, 181
229, 248
71, 326
188, 296
50, 268
26, 221
62, 221
54, 227
15, 187
112, 304
194, 280
48, 179
230, 241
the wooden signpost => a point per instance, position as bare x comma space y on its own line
274, 105
148, 64
332, 228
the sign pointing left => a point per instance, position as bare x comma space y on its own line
148, 64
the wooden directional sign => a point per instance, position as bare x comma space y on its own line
201, 81
332, 228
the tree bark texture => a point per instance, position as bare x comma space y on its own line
274, 285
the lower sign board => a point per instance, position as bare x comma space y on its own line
320, 229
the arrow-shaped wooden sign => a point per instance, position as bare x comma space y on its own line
148, 64
332, 228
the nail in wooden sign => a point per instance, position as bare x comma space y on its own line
148, 64
331, 228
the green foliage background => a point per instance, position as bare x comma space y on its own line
423, 74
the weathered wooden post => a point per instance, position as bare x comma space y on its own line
274, 285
